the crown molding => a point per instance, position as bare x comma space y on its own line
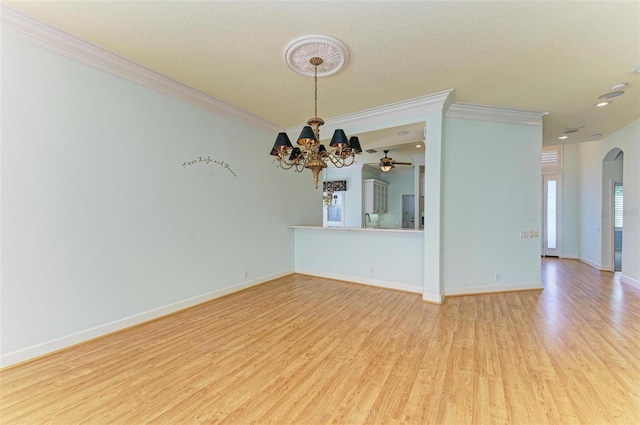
467, 111
21, 26
412, 110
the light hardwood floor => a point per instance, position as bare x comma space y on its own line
304, 350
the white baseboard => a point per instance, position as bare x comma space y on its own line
483, 289
569, 257
432, 298
629, 281
592, 263
67, 341
417, 289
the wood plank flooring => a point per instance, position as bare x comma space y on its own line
304, 350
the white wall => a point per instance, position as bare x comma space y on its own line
491, 193
103, 226
592, 210
570, 201
385, 258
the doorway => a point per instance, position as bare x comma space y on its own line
613, 210
408, 211
618, 209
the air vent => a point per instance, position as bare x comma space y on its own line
371, 151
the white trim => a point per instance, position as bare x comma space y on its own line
409, 111
495, 114
43, 35
483, 289
593, 264
433, 298
417, 289
85, 335
628, 280
569, 257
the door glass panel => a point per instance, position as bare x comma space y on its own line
551, 215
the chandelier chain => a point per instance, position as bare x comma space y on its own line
316, 91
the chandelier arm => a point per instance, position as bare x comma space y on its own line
287, 165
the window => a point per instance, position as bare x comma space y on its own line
552, 157
617, 205
334, 213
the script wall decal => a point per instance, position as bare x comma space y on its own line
207, 160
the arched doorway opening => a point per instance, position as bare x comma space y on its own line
613, 206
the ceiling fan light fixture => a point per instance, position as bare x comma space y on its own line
385, 168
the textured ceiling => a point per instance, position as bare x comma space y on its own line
535, 55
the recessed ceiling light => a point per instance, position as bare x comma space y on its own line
418, 145
402, 133
620, 86
596, 135
605, 103
563, 137
611, 94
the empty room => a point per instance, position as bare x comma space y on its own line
394, 212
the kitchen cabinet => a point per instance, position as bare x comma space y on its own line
375, 196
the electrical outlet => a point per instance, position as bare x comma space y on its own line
245, 274
524, 234
497, 277
373, 272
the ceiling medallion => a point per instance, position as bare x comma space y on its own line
333, 52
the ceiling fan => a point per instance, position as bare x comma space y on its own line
386, 163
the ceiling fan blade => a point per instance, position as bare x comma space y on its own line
400, 163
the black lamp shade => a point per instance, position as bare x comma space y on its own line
274, 152
295, 154
355, 144
306, 136
339, 138
282, 143
322, 149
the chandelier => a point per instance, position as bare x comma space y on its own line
311, 153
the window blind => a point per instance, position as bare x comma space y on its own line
617, 203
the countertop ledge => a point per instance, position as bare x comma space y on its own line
358, 229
